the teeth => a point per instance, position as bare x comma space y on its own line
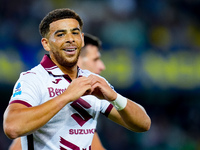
69, 50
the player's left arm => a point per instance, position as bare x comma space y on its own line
133, 116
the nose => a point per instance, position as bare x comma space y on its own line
69, 38
101, 66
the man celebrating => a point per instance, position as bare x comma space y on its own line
90, 59
56, 105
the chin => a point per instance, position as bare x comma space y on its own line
70, 63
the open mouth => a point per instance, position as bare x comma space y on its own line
70, 51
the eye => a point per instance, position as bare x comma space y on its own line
96, 59
60, 34
75, 33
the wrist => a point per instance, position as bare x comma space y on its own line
120, 102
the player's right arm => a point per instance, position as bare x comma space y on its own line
96, 143
16, 144
20, 120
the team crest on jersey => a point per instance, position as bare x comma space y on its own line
18, 90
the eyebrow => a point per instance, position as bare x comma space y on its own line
74, 29
59, 31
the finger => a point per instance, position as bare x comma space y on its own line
94, 80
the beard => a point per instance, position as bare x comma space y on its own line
63, 61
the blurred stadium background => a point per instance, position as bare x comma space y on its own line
151, 49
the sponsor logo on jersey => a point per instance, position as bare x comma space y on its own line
81, 131
56, 81
18, 90
55, 91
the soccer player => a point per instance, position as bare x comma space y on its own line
55, 105
90, 59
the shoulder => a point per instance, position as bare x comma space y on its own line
33, 75
36, 71
86, 73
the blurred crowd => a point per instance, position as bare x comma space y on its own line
151, 47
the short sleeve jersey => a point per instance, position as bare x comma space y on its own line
73, 127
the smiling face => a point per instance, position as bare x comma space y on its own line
64, 42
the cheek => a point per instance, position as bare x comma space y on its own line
80, 43
56, 42
53, 40
93, 63
98, 63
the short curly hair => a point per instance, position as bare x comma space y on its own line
55, 15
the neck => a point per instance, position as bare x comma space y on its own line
70, 71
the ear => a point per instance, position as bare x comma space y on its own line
83, 43
45, 44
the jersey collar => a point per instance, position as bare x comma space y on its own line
51, 67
